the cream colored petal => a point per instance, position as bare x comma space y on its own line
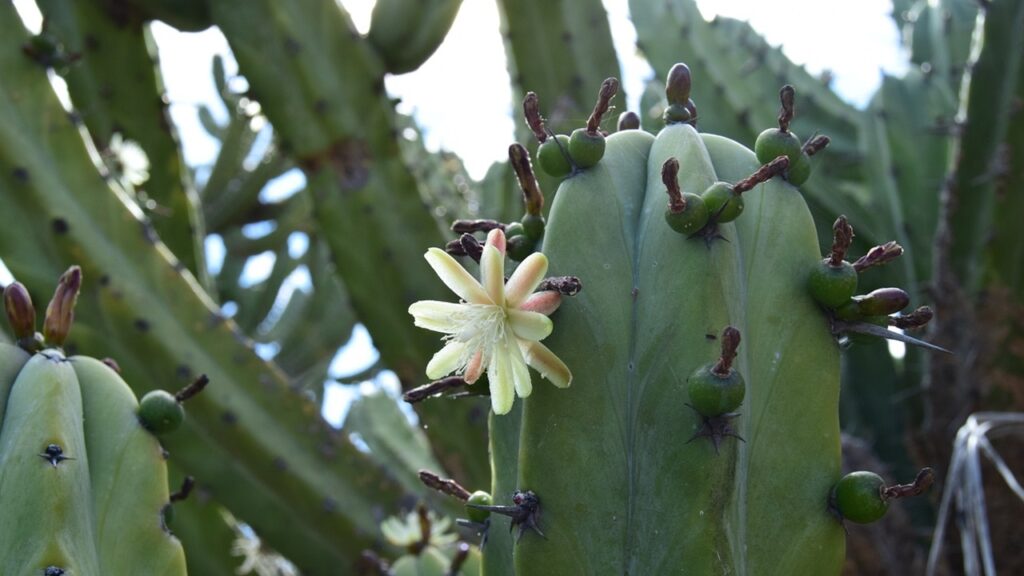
437, 316
499, 374
529, 325
446, 360
520, 371
545, 302
455, 277
474, 369
492, 272
525, 279
543, 360
496, 238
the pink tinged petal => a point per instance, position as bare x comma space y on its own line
543, 360
526, 278
496, 238
529, 325
545, 302
437, 316
492, 272
474, 369
446, 360
455, 277
520, 371
499, 373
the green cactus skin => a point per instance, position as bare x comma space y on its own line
97, 511
633, 335
858, 497
116, 87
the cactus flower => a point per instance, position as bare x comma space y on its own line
497, 326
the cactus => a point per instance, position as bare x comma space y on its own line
676, 471
71, 435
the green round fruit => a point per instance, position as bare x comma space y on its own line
832, 286
552, 156
773, 143
711, 394
514, 229
480, 498
677, 114
160, 412
722, 203
858, 497
692, 219
519, 247
799, 169
586, 148
533, 226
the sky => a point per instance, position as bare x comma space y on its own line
857, 41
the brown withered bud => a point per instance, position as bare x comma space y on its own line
882, 302
786, 97
60, 314
21, 314
519, 158
842, 237
604, 97
763, 174
730, 344
531, 111
444, 485
678, 84
628, 121
670, 177
922, 482
916, 319
816, 144
878, 255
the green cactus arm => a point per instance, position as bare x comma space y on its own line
45, 407
504, 436
321, 87
185, 15
396, 446
116, 88
995, 72
128, 476
938, 35
201, 525
12, 359
257, 301
1007, 248
160, 324
791, 412
404, 33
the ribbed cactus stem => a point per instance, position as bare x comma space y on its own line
532, 196
604, 97
842, 237
61, 312
670, 177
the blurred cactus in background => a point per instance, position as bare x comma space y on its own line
668, 284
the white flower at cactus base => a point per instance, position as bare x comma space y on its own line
498, 326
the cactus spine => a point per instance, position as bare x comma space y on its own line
83, 485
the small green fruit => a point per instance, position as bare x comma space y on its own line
533, 226
519, 247
858, 497
799, 169
690, 220
480, 498
832, 286
722, 202
514, 229
773, 143
160, 412
586, 148
552, 156
713, 395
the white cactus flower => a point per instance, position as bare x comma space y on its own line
497, 327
